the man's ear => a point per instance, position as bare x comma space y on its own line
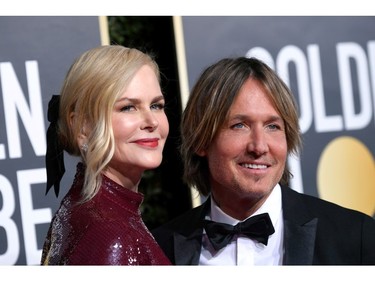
201, 152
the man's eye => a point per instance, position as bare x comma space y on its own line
274, 127
238, 125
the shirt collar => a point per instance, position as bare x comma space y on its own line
272, 206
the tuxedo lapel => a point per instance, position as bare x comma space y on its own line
299, 242
187, 241
299, 229
187, 249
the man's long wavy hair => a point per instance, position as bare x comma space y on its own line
208, 106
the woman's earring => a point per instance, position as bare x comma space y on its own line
84, 147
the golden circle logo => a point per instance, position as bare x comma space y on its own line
346, 175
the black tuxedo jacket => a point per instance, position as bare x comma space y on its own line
316, 232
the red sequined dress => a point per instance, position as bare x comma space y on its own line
107, 230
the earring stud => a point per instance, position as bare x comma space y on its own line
84, 147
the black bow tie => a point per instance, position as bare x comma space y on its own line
258, 227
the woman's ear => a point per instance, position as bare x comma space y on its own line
82, 140
82, 135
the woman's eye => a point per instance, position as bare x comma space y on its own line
127, 108
158, 106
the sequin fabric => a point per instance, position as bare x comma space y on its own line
107, 230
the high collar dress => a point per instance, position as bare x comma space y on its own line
107, 230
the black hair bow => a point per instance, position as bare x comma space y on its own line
55, 154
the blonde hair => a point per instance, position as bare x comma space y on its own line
93, 83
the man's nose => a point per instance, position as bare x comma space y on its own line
257, 142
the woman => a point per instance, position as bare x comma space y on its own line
111, 114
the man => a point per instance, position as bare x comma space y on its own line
238, 128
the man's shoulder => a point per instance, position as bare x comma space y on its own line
184, 223
296, 201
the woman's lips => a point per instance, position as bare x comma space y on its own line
154, 142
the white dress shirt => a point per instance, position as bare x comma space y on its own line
242, 250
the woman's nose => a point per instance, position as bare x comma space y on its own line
150, 121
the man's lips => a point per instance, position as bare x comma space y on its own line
254, 166
154, 142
